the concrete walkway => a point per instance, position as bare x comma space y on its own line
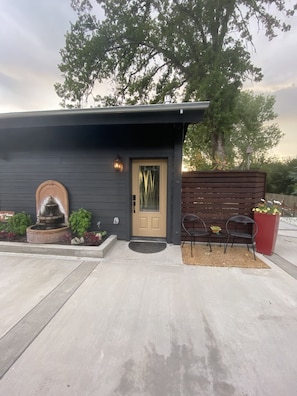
285, 255
145, 324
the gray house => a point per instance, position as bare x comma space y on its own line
121, 163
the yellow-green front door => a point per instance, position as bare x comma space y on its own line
149, 197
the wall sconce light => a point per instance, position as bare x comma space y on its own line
118, 164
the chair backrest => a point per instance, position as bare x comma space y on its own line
192, 222
242, 222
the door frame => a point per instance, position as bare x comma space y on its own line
163, 162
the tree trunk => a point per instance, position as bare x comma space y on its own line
218, 150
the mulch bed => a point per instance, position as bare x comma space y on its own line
8, 237
236, 256
23, 239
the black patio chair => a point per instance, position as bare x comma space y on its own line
241, 227
194, 227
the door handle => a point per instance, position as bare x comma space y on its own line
134, 202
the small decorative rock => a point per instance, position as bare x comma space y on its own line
77, 241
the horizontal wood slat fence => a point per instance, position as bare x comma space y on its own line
218, 195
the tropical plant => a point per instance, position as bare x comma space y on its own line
80, 221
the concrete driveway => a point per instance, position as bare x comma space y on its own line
145, 324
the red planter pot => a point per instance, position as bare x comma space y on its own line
267, 232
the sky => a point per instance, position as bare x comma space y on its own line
32, 33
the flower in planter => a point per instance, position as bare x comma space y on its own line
268, 207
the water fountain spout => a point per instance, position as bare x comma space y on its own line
52, 214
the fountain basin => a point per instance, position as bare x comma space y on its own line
40, 233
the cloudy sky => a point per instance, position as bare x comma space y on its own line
32, 34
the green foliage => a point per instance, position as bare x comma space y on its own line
80, 221
252, 128
279, 178
293, 178
18, 223
146, 49
197, 148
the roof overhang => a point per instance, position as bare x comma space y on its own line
173, 113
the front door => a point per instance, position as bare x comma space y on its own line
149, 197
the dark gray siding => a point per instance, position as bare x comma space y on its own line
81, 158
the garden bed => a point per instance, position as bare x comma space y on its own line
60, 249
90, 239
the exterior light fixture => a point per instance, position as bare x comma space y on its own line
118, 164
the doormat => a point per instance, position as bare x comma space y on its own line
147, 247
236, 256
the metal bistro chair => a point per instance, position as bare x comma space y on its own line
195, 227
243, 227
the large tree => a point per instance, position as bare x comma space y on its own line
147, 49
253, 134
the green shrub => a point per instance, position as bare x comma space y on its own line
18, 223
80, 221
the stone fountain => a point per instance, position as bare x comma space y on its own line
52, 209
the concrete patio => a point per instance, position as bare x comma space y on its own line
145, 324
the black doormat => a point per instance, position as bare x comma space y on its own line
147, 247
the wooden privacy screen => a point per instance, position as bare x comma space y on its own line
218, 195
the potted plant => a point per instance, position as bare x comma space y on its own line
267, 215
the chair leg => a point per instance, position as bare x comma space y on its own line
253, 247
254, 250
226, 244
